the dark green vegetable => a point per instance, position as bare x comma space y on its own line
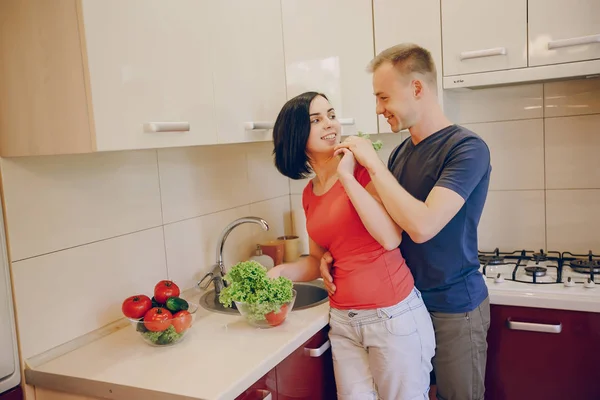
156, 303
140, 326
175, 304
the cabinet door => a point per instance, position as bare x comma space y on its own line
149, 61
424, 31
484, 35
13, 394
307, 373
562, 31
264, 389
328, 45
529, 360
249, 73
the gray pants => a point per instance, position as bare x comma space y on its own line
383, 353
461, 353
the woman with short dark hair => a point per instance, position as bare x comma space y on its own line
381, 333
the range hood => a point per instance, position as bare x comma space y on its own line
544, 73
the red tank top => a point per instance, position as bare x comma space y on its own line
365, 274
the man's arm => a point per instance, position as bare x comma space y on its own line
467, 163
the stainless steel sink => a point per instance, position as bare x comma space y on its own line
308, 295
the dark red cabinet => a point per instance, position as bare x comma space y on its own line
13, 394
542, 354
306, 374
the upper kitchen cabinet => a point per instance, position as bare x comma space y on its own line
249, 72
83, 75
328, 45
562, 31
424, 31
483, 35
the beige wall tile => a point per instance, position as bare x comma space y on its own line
494, 104
201, 180
64, 295
573, 152
513, 220
517, 153
573, 220
277, 213
192, 244
573, 97
53, 203
265, 181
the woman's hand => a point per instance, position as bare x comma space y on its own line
275, 272
347, 164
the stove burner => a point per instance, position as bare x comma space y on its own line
492, 260
538, 257
585, 266
538, 271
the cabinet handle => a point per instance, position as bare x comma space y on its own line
557, 44
250, 126
318, 352
265, 393
496, 51
166, 127
532, 327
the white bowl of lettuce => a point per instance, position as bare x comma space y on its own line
262, 301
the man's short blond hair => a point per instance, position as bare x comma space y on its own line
408, 58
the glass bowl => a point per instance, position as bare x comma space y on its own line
254, 314
168, 332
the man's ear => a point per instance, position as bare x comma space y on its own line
417, 86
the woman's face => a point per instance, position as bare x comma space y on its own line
325, 129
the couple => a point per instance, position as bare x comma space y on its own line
392, 321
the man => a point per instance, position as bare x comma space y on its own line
434, 187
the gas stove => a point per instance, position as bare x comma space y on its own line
541, 267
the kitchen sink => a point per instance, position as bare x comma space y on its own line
308, 295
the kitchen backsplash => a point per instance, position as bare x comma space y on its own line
86, 231
544, 141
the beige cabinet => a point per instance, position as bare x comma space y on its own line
424, 31
86, 75
483, 35
563, 31
249, 68
328, 45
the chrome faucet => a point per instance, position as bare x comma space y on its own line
217, 271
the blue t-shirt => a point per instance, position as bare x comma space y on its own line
446, 268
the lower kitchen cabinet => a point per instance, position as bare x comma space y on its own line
542, 354
306, 374
12, 394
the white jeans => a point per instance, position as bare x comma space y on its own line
383, 353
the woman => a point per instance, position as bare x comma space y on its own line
380, 331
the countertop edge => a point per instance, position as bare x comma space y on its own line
89, 387
547, 301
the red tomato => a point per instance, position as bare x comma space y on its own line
182, 321
157, 319
165, 289
135, 307
275, 319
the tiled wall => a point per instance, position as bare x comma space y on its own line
87, 231
545, 146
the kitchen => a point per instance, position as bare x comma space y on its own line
100, 203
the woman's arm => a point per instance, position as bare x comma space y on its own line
367, 203
305, 269
372, 213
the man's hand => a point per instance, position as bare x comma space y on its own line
362, 149
325, 268
274, 272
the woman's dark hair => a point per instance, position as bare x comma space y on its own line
290, 135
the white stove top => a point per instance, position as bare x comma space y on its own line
510, 283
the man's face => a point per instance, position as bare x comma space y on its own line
395, 97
